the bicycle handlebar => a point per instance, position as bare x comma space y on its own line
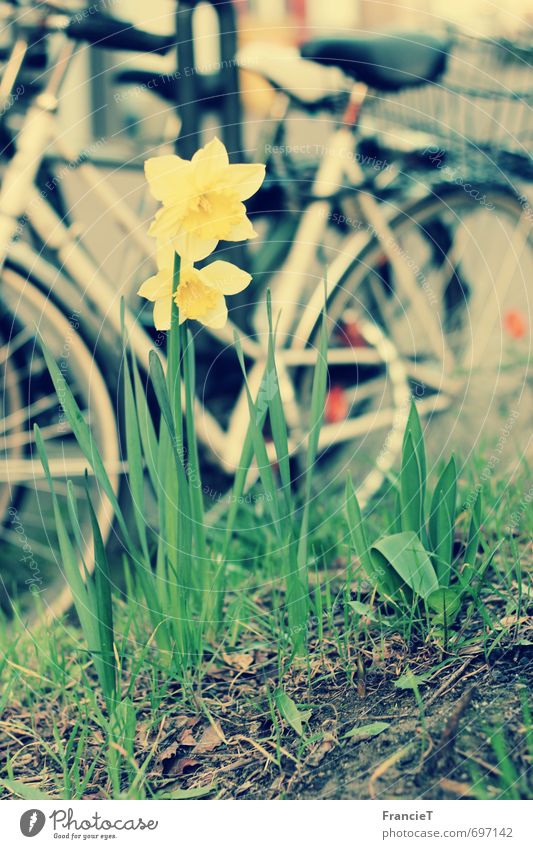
111, 33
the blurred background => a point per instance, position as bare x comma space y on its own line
123, 106
92, 111
118, 107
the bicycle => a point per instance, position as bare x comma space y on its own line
444, 181
362, 358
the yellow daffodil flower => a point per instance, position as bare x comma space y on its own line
200, 294
202, 199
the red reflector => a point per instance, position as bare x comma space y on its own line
515, 324
351, 335
336, 408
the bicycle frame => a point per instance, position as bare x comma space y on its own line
19, 196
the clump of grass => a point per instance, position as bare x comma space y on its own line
178, 573
289, 514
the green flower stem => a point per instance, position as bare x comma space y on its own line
193, 462
178, 522
181, 387
174, 357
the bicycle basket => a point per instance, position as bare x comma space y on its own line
479, 115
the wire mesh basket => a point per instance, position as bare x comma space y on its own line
480, 113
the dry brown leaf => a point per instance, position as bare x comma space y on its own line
242, 662
319, 752
144, 733
322, 747
456, 788
183, 766
169, 752
511, 621
184, 721
186, 738
215, 671
210, 739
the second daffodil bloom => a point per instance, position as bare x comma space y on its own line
200, 294
202, 199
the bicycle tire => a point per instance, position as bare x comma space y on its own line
446, 201
28, 516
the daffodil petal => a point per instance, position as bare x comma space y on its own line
245, 179
166, 223
241, 231
217, 316
166, 175
209, 162
226, 277
191, 248
157, 286
165, 255
163, 313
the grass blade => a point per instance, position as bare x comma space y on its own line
146, 428
413, 429
290, 712
193, 462
318, 399
135, 460
104, 608
85, 439
263, 463
276, 412
356, 526
473, 536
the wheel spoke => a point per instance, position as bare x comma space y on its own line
29, 470
14, 344
27, 414
347, 355
41, 550
27, 437
34, 369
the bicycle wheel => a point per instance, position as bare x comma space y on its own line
29, 550
472, 261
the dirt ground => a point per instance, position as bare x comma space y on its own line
400, 763
364, 727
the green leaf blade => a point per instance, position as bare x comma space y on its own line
290, 712
411, 489
409, 560
360, 733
